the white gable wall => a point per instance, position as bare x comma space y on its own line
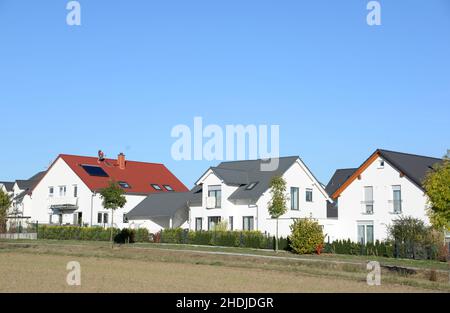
351, 209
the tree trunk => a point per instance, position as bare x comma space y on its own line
276, 239
112, 228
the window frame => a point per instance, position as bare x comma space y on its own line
251, 226
297, 200
157, 187
309, 191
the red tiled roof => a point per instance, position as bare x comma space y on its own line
138, 175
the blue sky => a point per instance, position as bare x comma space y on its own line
338, 88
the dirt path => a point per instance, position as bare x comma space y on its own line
24, 272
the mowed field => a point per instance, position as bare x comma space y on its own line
42, 268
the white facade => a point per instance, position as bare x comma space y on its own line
374, 200
256, 216
61, 186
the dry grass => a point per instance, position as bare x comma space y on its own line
42, 268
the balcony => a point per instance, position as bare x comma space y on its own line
63, 204
396, 206
367, 207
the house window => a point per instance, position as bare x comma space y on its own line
213, 221
78, 219
156, 187
231, 222
125, 219
309, 195
215, 193
198, 224
365, 233
368, 200
381, 164
62, 191
168, 187
75, 191
251, 186
51, 192
397, 199
295, 198
102, 218
60, 219
248, 223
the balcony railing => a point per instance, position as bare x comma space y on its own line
396, 206
63, 203
367, 207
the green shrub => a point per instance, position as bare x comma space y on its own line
307, 235
142, 235
75, 233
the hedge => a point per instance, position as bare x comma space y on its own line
243, 239
92, 234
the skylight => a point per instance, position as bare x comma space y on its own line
124, 185
251, 186
156, 187
168, 187
93, 170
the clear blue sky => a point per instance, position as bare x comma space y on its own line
338, 88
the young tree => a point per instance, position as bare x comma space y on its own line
113, 199
277, 205
5, 203
437, 186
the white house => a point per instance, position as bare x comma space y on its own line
68, 193
238, 193
369, 198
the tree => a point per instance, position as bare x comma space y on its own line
437, 186
113, 199
277, 205
5, 204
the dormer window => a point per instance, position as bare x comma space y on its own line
156, 187
251, 186
124, 185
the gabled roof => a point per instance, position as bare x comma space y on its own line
29, 184
339, 177
160, 205
8, 185
138, 175
414, 167
244, 173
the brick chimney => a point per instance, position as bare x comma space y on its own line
121, 161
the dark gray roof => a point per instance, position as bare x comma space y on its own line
415, 167
231, 176
196, 199
31, 182
157, 205
253, 172
20, 196
8, 185
339, 177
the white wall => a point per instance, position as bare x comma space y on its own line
351, 211
296, 176
89, 204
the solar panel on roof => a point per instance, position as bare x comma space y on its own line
95, 170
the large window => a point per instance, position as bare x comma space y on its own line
215, 193
248, 223
295, 197
397, 199
365, 233
198, 224
368, 200
309, 195
213, 221
102, 218
231, 222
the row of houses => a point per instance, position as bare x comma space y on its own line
357, 204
